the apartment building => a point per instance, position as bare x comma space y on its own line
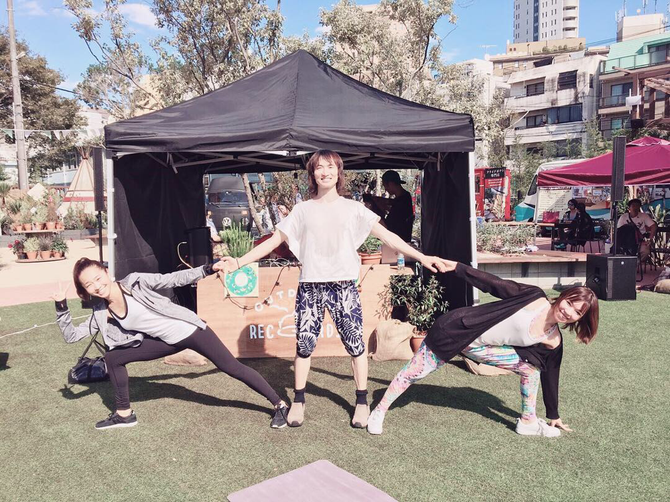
637, 71
551, 100
536, 20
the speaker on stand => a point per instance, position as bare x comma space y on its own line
99, 191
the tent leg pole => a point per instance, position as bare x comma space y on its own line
111, 235
473, 219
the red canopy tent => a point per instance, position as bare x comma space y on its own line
647, 163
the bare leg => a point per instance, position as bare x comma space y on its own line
296, 415
302, 365
359, 366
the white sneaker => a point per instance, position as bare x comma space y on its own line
376, 422
537, 428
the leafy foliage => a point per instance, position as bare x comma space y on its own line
371, 245
422, 299
237, 240
504, 239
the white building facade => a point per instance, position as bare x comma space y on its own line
537, 20
551, 103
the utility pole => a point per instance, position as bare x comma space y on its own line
19, 132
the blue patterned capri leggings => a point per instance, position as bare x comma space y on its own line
344, 304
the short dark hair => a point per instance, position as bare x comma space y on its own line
634, 201
81, 265
335, 158
573, 202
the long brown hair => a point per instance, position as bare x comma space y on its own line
81, 265
587, 327
335, 158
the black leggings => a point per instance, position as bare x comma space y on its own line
204, 342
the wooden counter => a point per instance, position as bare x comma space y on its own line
265, 326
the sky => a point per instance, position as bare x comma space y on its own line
47, 27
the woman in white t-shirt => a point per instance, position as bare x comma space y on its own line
324, 233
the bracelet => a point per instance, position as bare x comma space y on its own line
238, 262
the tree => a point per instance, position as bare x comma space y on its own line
43, 109
523, 165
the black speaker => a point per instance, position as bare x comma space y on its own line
199, 246
611, 277
636, 123
98, 180
618, 168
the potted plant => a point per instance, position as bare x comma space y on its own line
45, 247
52, 216
40, 218
59, 247
417, 302
370, 251
31, 246
17, 248
26, 220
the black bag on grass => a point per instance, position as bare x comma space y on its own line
88, 370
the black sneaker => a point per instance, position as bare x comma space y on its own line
279, 418
116, 420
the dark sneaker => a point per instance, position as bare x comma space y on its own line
116, 420
279, 418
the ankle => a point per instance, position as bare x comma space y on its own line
362, 397
124, 413
528, 421
299, 396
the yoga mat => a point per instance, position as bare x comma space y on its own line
320, 481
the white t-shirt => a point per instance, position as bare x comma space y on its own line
642, 221
515, 330
325, 237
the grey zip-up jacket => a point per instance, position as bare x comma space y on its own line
144, 288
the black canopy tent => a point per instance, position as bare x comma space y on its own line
271, 121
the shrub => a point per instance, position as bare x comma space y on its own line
423, 300
40, 215
504, 239
17, 247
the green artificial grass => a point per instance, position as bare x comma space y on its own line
203, 435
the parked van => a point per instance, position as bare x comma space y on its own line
227, 200
525, 211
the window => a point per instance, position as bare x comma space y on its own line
535, 121
563, 114
567, 80
659, 53
622, 89
535, 89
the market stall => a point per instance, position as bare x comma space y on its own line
271, 121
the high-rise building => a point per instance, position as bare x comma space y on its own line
536, 20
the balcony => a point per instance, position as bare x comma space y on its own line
550, 132
570, 4
635, 61
571, 24
611, 101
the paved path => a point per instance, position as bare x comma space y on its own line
35, 282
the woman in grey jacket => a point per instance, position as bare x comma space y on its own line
139, 324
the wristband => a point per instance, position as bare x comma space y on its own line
238, 263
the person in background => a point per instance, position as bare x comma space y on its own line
581, 228
637, 225
398, 209
571, 213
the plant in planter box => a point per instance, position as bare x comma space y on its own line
237, 240
370, 251
31, 246
59, 247
40, 217
45, 247
26, 219
420, 300
52, 216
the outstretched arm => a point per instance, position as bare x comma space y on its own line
432, 263
70, 333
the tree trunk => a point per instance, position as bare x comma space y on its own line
378, 182
268, 202
252, 205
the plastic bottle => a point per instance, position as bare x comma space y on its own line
401, 261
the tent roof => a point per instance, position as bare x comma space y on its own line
298, 103
647, 163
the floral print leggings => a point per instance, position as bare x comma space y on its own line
425, 362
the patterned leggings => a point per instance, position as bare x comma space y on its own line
344, 304
425, 362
